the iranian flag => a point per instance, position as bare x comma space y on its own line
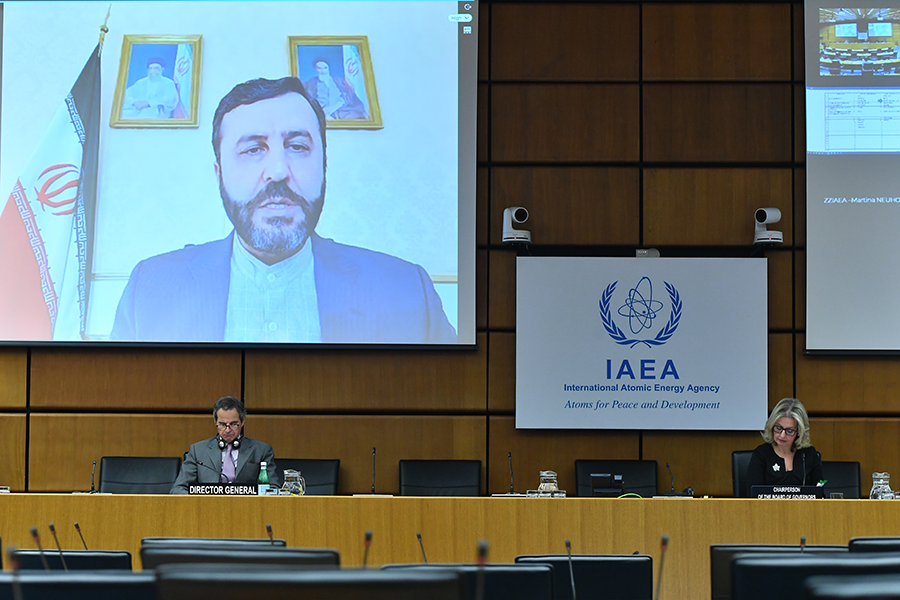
47, 222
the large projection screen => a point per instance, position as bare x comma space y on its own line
364, 237
852, 162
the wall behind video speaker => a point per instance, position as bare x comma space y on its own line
618, 126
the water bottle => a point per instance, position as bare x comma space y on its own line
262, 484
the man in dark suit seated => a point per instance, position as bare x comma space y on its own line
229, 457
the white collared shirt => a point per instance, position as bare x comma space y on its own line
272, 303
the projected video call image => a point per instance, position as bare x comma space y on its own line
251, 184
861, 42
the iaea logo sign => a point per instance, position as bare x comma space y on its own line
641, 309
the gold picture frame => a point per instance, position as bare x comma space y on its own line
159, 82
339, 67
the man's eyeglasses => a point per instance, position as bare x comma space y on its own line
790, 431
232, 426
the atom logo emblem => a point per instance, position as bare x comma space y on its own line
641, 310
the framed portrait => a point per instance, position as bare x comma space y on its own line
159, 82
337, 72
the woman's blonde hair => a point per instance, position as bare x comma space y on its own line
793, 408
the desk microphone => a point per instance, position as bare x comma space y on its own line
373, 469
479, 576
78, 529
571, 570
367, 543
62, 558
511, 489
269, 531
93, 489
37, 540
421, 545
218, 472
802, 543
662, 558
14, 565
804, 468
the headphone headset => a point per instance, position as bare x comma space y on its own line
236, 443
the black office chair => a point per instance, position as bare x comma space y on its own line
189, 582
316, 558
721, 555
853, 587
843, 477
875, 544
440, 477
782, 576
76, 560
740, 463
85, 585
321, 474
138, 474
501, 581
639, 476
619, 576
210, 543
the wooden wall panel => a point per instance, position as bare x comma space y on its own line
482, 206
781, 368
576, 122
707, 471
63, 446
800, 289
712, 206
780, 289
481, 289
749, 42
502, 289
855, 385
572, 205
502, 372
13, 377
871, 442
147, 380
798, 41
717, 122
800, 206
367, 380
536, 450
12, 449
351, 439
567, 34
481, 135
799, 123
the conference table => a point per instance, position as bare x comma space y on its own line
452, 527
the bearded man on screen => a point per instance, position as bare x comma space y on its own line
273, 279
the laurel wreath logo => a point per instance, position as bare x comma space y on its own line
619, 336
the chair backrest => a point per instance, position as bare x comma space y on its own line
138, 474
189, 582
639, 476
853, 587
76, 560
874, 544
440, 477
619, 576
321, 474
84, 585
324, 558
210, 543
501, 581
740, 462
842, 476
782, 577
721, 555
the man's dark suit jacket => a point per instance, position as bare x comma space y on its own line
203, 464
363, 296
